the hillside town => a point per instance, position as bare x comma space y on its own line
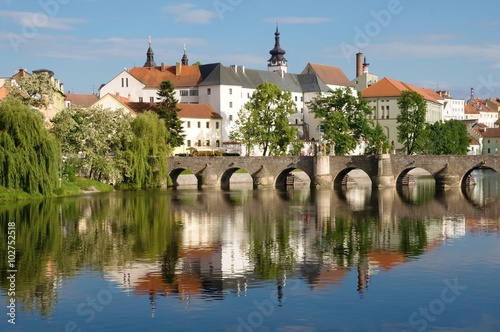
210, 96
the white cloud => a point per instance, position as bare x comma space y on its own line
299, 20
39, 20
189, 13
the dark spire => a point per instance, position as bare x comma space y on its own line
277, 53
150, 56
184, 60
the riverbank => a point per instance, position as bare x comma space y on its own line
68, 188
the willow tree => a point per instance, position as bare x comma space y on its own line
29, 155
146, 153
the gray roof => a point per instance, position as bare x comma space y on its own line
218, 74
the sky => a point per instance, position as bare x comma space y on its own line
442, 45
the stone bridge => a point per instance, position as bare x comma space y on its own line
384, 170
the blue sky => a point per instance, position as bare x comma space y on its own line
447, 45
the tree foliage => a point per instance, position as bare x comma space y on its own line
91, 139
146, 153
411, 121
446, 138
374, 137
169, 112
344, 120
263, 121
29, 154
34, 90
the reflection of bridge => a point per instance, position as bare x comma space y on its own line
329, 171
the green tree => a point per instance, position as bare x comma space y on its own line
91, 139
343, 117
169, 112
263, 121
447, 138
374, 136
411, 121
34, 90
29, 155
145, 154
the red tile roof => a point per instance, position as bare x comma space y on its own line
189, 76
3, 92
328, 74
388, 87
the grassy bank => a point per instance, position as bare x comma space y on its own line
77, 187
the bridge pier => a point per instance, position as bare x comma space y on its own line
263, 178
385, 176
447, 178
207, 177
322, 177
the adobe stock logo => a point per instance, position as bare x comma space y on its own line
33, 23
428, 314
223, 6
363, 36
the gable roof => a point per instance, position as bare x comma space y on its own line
388, 87
487, 132
82, 100
152, 77
328, 74
218, 74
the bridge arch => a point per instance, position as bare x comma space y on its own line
225, 179
287, 178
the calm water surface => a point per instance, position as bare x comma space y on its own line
266, 260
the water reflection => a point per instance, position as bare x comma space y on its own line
211, 244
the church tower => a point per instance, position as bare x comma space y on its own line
185, 60
150, 56
277, 62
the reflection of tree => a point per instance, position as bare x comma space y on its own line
347, 239
270, 247
172, 251
57, 238
413, 235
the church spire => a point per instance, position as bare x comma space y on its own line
150, 56
277, 62
185, 60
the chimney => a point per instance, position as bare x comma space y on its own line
243, 69
163, 67
178, 68
359, 64
234, 68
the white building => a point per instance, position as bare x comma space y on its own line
227, 88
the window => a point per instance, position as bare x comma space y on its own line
189, 142
208, 125
230, 91
296, 98
124, 82
383, 108
208, 142
151, 99
209, 91
199, 142
217, 125
141, 100
230, 104
184, 93
199, 124
217, 143
301, 98
193, 92
231, 117
248, 95
189, 124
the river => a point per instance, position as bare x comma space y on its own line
266, 260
